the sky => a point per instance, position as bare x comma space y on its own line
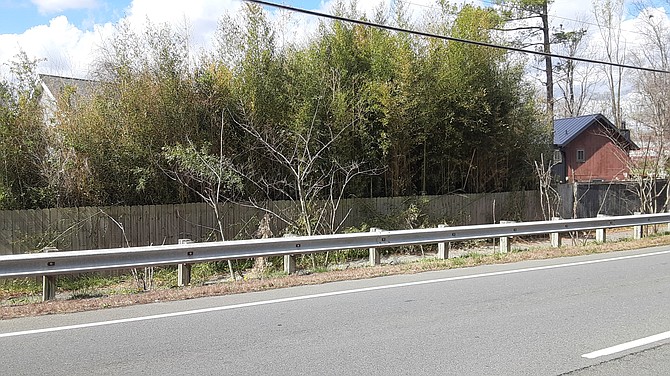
66, 33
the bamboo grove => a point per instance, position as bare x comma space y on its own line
345, 110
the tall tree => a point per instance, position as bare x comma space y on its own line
573, 83
609, 15
651, 112
529, 20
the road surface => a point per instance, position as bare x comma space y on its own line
589, 315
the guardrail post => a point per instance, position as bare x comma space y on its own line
601, 233
289, 260
555, 236
505, 241
637, 230
49, 281
289, 264
184, 270
444, 247
375, 258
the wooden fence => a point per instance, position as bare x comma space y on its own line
110, 227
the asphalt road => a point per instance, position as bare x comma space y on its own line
547, 317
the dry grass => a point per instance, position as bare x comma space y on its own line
226, 288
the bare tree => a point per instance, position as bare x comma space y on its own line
549, 198
652, 114
311, 176
210, 176
573, 79
609, 15
315, 180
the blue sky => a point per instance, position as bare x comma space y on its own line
19, 16
67, 34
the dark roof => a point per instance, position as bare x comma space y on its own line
566, 130
56, 85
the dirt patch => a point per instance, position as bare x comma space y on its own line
392, 265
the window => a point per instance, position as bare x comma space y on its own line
558, 156
581, 156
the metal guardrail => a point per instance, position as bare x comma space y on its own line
70, 262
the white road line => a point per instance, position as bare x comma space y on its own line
321, 295
628, 345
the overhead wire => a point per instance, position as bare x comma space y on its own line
492, 3
447, 38
579, 22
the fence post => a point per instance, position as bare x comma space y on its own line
601, 233
184, 270
375, 258
505, 241
555, 236
289, 260
49, 281
444, 247
637, 230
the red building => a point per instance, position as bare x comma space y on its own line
591, 148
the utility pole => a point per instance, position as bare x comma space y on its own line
547, 60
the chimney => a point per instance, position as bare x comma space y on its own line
625, 132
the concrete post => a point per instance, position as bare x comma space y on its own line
184, 270
289, 260
289, 264
637, 230
444, 247
505, 241
48, 287
555, 236
375, 257
601, 233
49, 281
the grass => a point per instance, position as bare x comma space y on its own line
20, 297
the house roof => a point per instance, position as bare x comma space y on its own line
566, 130
55, 85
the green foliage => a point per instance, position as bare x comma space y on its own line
213, 173
144, 102
262, 118
21, 286
23, 139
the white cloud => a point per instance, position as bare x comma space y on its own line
71, 49
67, 49
52, 6
200, 16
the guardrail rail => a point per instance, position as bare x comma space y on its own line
71, 262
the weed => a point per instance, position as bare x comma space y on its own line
166, 277
458, 261
201, 273
28, 286
319, 269
87, 281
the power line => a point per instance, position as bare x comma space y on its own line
582, 22
492, 4
443, 37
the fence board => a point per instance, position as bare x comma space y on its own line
91, 228
5, 233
